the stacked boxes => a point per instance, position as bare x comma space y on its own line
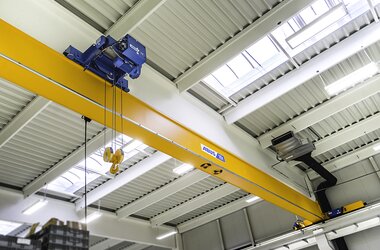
57, 236
63, 237
15, 243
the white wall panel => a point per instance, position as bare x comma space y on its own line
203, 237
268, 220
365, 240
356, 182
235, 230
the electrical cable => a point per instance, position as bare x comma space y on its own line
114, 106
113, 117
86, 120
105, 115
121, 117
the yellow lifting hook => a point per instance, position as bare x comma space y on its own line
115, 158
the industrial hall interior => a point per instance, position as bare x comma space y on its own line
190, 124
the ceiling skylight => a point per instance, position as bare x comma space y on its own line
301, 31
240, 65
224, 75
263, 50
314, 11
7, 226
313, 28
310, 25
246, 67
73, 180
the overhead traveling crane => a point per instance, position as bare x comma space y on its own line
34, 66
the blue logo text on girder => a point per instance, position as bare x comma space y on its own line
213, 153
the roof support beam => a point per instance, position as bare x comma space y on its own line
323, 242
373, 11
348, 134
123, 178
65, 164
327, 59
161, 193
64, 82
375, 166
215, 214
136, 247
346, 160
193, 204
22, 119
255, 31
133, 18
105, 244
334, 105
108, 225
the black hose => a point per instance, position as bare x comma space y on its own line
330, 180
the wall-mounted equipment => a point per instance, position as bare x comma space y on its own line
289, 147
112, 60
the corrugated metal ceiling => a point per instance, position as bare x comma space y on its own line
179, 33
180, 197
352, 145
140, 186
12, 100
308, 96
98, 13
209, 207
51, 136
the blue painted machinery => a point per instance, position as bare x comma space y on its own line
112, 60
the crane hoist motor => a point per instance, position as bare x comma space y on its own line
111, 59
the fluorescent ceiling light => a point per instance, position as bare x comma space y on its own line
163, 236
91, 217
35, 206
282, 248
351, 79
369, 223
317, 26
184, 168
299, 244
377, 147
7, 226
252, 199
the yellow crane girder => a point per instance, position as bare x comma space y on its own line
34, 66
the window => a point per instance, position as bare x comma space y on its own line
310, 25
224, 75
240, 66
246, 67
316, 22
314, 27
263, 51
311, 13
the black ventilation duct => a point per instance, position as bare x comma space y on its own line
291, 148
330, 180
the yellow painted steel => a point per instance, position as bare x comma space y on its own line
83, 92
353, 206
